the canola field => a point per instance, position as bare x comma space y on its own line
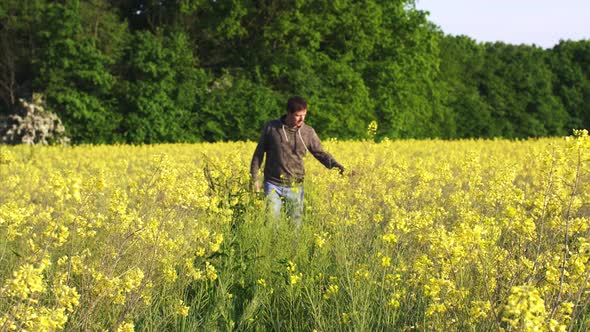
470, 235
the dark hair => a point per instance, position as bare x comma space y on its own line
296, 104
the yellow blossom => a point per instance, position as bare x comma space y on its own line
385, 261
126, 327
331, 291
210, 271
181, 309
295, 278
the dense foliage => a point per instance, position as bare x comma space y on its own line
204, 70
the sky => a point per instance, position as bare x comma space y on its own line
539, 22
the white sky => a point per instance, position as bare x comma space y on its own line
539, 22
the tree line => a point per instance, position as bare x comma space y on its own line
132, 71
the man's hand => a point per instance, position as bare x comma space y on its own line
340, 169
256, 186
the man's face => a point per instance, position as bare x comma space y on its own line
295, 120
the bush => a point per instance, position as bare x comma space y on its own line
32, 125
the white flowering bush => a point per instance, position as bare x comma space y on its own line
34, 125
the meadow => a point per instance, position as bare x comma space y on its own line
425, 235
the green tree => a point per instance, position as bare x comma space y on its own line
461, 65
291, 46
235, 108
74, 75
355, 61
402, 76
148, 71
101, 21
161, 88
570, 62
345, 56
19, 44
517, 84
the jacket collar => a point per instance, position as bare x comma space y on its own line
283, 119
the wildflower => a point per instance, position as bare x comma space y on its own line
394, 300
372, 130
191, 271
555, 326
378, 218
216, 243
67, 297
331, 291
6, 157
8, 324
49, 319
210, 271
345, 318
320, 239
525, 309
362, 274
291, 267
132, 279
126, 327
181, 309
479, 310
390, 238
436, 308
26, 281
170, 274
200, 252
295, 278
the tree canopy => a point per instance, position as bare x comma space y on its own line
132, 71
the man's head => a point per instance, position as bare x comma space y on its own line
296, 111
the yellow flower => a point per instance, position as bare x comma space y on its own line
390, 238
215, 245
525, 309
331, 291
345, 318
210, 271
126, 327
394, 301
26, 281
181, 309
385, 261
132, 279
67, 297
295, 278
320, 239
291, 267
170, 274
362, 274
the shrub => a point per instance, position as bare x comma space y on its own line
32, 125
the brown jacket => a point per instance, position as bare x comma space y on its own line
285, 148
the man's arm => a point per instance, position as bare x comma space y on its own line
257, 159
317, 150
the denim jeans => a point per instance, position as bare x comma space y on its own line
292, 197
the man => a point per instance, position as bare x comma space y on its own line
285, 141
